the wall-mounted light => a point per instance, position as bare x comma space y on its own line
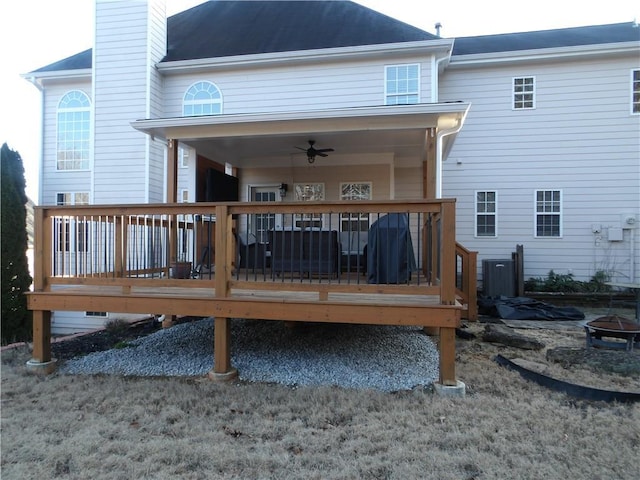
283, 190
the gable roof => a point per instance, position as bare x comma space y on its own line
561, 37
221, 28
228, 28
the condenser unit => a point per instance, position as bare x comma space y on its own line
498, 278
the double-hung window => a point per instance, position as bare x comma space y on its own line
548, 213
486, 214
72, 233
402, 84
355, 222
524, 93
635, 92
74, 130
308, 192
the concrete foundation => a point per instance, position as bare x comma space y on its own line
42, 368
458, 390
223, 377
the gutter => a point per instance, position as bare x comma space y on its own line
300, 57
543, 54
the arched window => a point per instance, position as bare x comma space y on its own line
74, 126
202, 98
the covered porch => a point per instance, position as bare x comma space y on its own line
319, 262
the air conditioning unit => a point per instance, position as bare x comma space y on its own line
498, 278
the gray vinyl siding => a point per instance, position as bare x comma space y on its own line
315, 87
579, 139
54, 181
129, 41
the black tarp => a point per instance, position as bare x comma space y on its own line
523, 308
390, 257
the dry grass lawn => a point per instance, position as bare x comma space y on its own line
110, 427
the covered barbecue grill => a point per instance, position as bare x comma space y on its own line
390, 256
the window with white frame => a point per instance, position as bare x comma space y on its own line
263, 223
184, 195
202, 98
402, 84
74, 126
548, 211
95, 314
355, 222
524, 94
635, 92
183, 155
308, 192
72, 234
486, 214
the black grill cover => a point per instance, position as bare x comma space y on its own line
390, 257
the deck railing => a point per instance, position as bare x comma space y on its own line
407, 246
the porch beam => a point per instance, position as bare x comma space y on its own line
327, 311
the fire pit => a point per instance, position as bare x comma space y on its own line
613, 326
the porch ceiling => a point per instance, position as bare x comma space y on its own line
259, 139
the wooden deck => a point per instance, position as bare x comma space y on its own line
431, 298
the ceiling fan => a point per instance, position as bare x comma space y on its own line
312, 152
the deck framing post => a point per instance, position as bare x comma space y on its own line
447, 347
222, 368
448, 257
41, 361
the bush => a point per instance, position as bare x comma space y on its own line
565, 283
16, 319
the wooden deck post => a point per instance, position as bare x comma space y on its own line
447, 347
172, 197
41, 361
41, 336
224, 246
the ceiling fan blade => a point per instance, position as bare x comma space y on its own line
325, 150
319, 153
303, 149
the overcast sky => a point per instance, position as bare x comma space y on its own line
39, 32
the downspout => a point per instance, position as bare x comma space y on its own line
446, 132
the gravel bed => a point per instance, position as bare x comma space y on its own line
353, 356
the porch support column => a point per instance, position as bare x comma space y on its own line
222, 369
429, 167
172, 171
172, 197
429, 189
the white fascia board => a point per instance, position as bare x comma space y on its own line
384, 117
39, 79
58, 75
544, 54
440, 46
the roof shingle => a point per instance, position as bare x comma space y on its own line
222, 28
